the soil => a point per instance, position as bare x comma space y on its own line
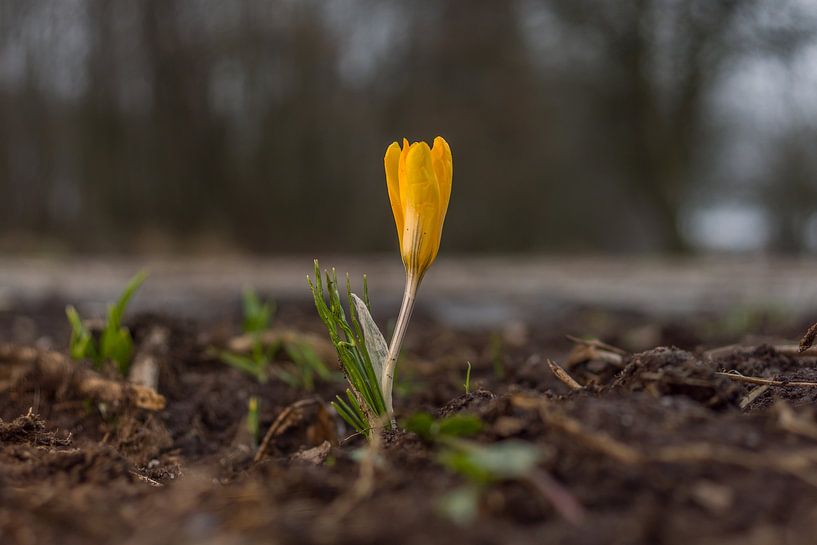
662, 444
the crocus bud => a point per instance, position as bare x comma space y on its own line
419, 184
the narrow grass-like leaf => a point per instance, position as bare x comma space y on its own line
364, 403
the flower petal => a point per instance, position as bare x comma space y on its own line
392, 163
420, 196
444, 170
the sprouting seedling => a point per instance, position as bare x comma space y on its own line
114, 343
497, 357
360, 346
257, 313
467, 384
253, 426
419, 185
305, 364
443, 429
257, 317
480, 465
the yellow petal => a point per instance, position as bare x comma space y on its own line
444, 170
401, 167
420, 197
392, 162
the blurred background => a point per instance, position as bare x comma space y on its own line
577, 126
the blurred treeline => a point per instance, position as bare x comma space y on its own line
576, 125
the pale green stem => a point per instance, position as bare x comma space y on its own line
406, 308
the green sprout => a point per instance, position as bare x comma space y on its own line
467, 384
481, 465
114, 343
440, 430
305, 364
257, 314
361, 349
253, 426
497, 357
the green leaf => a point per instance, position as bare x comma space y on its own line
116, 345
81, 344
252, 420
461, 505
257, 314
245, 364
348, 338
458, 425
485, 463
118, 310
375, 342
421, 424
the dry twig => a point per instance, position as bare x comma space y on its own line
587, 350
564, 376
592, 439
734, 375
562, 500
808, 338
797, 463
790, 350
286, 419
755, 393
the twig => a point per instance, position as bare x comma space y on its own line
563, 376
595, 343
562, 500
755, 393
795, 423
587, 350
791, 350
808, 338
733, 375
799, 463
146, 479
592, 439
283, 422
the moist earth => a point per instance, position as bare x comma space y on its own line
673, 435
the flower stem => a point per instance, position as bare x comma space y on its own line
406, 308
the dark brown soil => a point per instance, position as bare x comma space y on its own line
657, 448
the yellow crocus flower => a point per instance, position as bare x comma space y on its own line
419, 183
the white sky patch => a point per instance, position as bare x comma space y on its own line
729, 228
365, 42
